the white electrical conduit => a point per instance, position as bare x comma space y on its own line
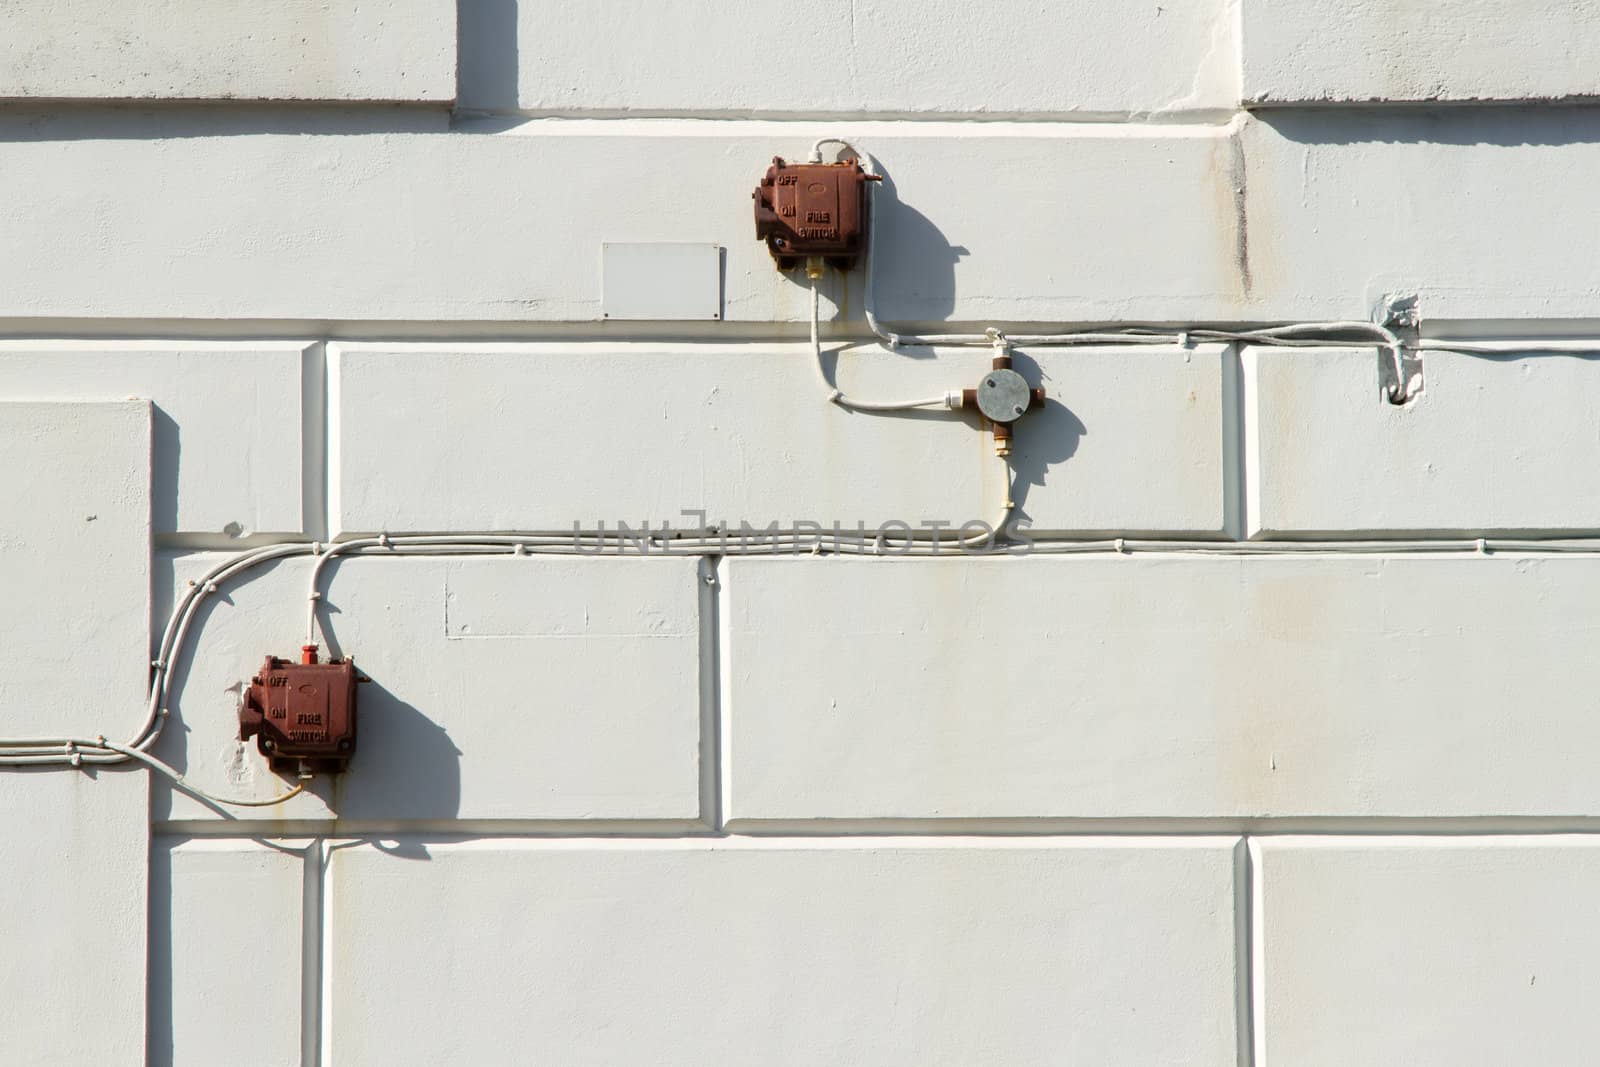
948, 400
76, 751
188, 787
1296, 335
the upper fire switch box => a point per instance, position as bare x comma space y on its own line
813, 209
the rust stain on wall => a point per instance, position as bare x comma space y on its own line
1237, 180
1226, 172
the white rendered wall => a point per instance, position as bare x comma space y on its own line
1279, 765
155, 50
75, 567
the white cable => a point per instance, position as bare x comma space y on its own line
1294, 335
816, 149
322, 558
189, 787
70, 749
51, 748
946, 400
816, 348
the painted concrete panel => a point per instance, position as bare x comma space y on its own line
1293, 216
227, 434
1463, 207
542, 437
533, 688
1127, 687
885, 952
890, 57
1418, 51
429, 439
75, 567
1466, 951
1131, 440
476, 437
1491, 444
74, 849
400, 50
226, 956
316, 215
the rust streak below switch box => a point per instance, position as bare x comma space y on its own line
302, 712
813, 209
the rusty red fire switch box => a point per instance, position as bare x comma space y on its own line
302, 715
813, 209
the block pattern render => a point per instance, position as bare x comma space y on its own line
1185, 788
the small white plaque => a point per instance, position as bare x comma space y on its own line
661, 280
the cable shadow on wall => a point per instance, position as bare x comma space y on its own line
914, 277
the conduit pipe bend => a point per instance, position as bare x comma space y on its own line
74, 751
1292, 335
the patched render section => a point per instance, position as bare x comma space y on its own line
1217, 74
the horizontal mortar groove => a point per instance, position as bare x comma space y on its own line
623, 332
1142, 119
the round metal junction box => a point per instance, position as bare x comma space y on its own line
1003, 395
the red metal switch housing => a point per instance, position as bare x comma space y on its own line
813, 209
302, 713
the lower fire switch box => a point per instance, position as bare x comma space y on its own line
302, 715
